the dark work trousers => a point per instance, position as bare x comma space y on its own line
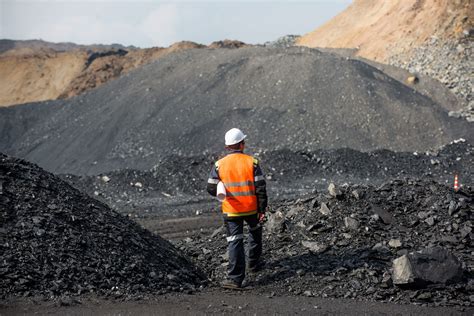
235, 239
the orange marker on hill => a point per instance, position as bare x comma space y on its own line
456, 183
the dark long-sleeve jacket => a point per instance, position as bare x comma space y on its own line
259, 182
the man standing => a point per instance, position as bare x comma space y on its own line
246, 201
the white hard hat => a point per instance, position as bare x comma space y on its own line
234, 136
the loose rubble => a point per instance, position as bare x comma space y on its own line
351, 251
284, 41
58, 242
449, 61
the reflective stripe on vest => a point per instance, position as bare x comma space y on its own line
236, 172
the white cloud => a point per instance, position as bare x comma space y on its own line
101, 23
161, 25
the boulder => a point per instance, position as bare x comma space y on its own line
429, 266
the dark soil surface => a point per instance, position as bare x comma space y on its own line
57, 241
290, 99
219, 302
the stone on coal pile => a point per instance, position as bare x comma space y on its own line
351, 223
61, 242
324, 209
431, 265
105, 179
334, 191
430, 221
314, 246
395, 243
386, 217
276, 222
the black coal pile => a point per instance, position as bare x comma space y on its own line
294, 98
175, 184
347, 241
57, 241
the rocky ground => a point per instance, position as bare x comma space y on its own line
336, 244
342, 243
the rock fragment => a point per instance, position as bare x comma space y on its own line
334, 191
351, 223
324, 209
105, 179
395, 243
314, 246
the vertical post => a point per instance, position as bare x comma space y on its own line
456, 183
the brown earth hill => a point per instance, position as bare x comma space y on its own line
379, 29
34, 71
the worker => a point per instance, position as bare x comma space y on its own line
245, 201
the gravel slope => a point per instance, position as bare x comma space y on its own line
295, 98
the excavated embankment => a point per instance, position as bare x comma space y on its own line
57, 241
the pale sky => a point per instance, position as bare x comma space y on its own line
146, 23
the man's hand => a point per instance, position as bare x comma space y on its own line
261, 217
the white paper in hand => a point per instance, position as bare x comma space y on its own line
221, 191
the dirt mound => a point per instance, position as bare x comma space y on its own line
33, 72
341, 242
185, 103
227, 44
112, 64
58, 241
37, 75
380, 29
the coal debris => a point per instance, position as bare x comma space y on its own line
59, 242
322, 255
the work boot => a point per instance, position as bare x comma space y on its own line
231, 284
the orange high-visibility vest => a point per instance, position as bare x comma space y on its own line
236, 171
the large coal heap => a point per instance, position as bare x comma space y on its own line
178, 182
342, 242
57, 241
295, 98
